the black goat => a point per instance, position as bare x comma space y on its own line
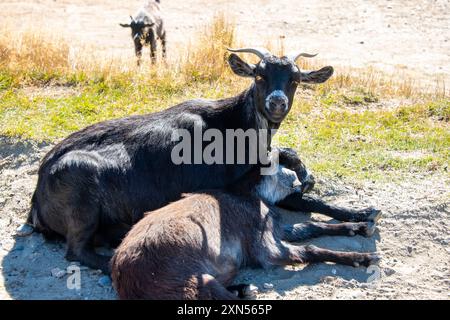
98, 182
147, 26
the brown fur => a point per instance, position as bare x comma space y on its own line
194, 247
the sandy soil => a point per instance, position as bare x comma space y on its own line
405, 37
412, 238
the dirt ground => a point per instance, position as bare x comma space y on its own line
413, 236
402, 37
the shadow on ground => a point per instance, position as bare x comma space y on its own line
27, 269
284, 279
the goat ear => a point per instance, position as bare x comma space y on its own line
240, 67
124, 25
149, 24
318, 76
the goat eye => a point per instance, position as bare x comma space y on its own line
259, 78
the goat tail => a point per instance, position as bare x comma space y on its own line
33, 215
34, 219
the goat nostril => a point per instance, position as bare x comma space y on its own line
277, 106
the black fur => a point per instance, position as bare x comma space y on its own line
104, 177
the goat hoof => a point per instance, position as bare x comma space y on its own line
369, 229
371, 259
374, 216
367, 214
366, 259
243, 290
307, 186
24, 230
70, 256
250, 291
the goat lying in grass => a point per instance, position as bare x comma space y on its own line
194, 247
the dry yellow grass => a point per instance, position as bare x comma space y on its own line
31, 49
204, 60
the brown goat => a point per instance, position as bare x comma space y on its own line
194, 247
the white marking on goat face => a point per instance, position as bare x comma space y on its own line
278, 97
276, 187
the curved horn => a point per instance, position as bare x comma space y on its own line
294, 57
132, 19
260, 52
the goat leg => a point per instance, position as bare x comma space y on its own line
243, 290
309, 203
163, 44
303, 231
153, 47
138, 52
306, 254
289, 158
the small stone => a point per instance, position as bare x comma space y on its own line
409, 248
251, 291
388, 271
327, 279
58, 273
24, 230
268, 286
105, 281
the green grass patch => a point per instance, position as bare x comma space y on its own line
333, 140
371, 144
